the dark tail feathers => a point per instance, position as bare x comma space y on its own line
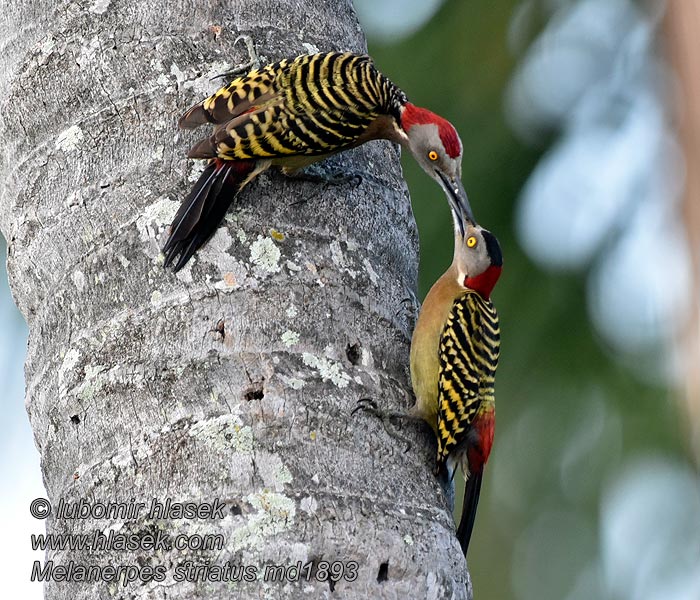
469, 504
204, 209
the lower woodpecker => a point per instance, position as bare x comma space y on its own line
454, 354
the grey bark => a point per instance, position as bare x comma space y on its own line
234, 379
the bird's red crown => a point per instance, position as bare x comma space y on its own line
414, 115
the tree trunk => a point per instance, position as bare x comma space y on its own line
683, 28
231, 382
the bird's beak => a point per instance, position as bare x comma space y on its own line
457, 197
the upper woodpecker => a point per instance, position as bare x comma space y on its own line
295, 112
454, 354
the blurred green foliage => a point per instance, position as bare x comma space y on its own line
568, 413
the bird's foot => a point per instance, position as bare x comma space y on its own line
409, 306
370, 406
447, 483
316, 174
252, 64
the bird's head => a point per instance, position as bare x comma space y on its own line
436, 146
478, 259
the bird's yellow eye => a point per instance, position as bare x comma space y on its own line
432, 155
471, 241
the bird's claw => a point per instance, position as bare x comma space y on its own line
253, 63
317, 174
409, 306
368, 405
353, 178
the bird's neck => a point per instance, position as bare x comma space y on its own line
484, 283
396, 100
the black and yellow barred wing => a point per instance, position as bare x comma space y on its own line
469, 348
311, 105
235, 98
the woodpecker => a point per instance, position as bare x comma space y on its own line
293, 113
454, 354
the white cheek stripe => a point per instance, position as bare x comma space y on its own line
401, 133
